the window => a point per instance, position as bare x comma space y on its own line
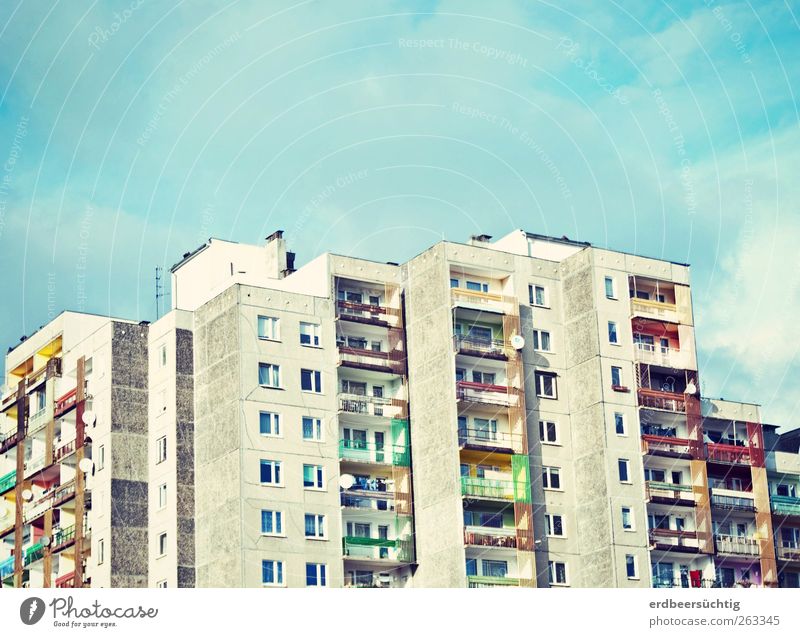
269, 375
627, 518
453, 283
309, 334
311, 380
475, 286
101, 551
161, 584
101, 457
162, 495
537, 295
616, 376
554, 525
548, 432
313, 476
611, 287
315, 526
612, 333
631, 567
545, 385
624, 470
557, 573
551, 478
161, 453
268, 328
269, 423
162, 544
494, 568
271, 573
485, 378
312, 428
271, 472
162, 356
271, 522
541, 341
619, 423
315, 574
656, 475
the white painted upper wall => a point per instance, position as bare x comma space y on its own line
519, 242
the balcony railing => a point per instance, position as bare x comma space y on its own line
490, 581
668, 582
489, 439
666, 445
9, 437
674, 539
368, 500
370, 452
390, 362
376, 548
366, 313
370, 405
732, 503
675, 493
66, 402
64, 492
7, 568
665, 401
488, 536
485, 394
482, 347
781, 504
34, 465
653, 308
66, 581
33, 554
483, 300
37, 421
63, 537
789, 553
736, 545
728, 454
658, 355
486, 488
64, 450
8, 481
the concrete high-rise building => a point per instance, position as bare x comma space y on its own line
523, 412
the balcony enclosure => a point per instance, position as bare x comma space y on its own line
673, 570
379, 541
367, 303
472, 289
489, 525
363, 396
668, 482
668, 530
484, 571
656, 299
730, 442
370, 348
665, 434
478, 334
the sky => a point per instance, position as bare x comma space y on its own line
133, 130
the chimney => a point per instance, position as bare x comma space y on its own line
478, 239
280, 263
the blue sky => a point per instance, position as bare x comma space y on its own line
131, 131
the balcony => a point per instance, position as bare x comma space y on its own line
371, 405
371, 453
487, 489
732, 502
662, 400
62, 538
372, 548
728, 454
64, 450
674, 540
66, 402
8, 481
484, 394
655, 309
672, 494
668, 582
486, 440
781, 505
480, 347
6, 568
734, 545
667, 446
485, 536
9, 438
788, 553
485, 301
362, 358
657, 355
66, 492
367, 313
33, 554
66, 581
34, 465
365, 500
489, 581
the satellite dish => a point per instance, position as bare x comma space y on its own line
89, 418
346, 481
517, 342
27, 495
691, 388
44, 540
86, 465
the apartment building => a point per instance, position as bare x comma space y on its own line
73, 456
521, 412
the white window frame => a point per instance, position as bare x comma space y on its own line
101, 457
161, 545
543, 430
274, 463
162, 491
621, 382
613, 281
315, 389
631, 519
276, 571
273, 333
161, 450
276, 516
101, 551
532, 295
162, 356
551, 573
275, 424
315, 336
539, 383
161, 583
613, 324
274, 375
549, 472
550, 526
316, 427
635, 561
320, 522
320, 568
537, 341
628, 479
624, 423
319, 477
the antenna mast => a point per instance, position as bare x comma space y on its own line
159, 292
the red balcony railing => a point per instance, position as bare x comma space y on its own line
666, 445
66, 581
393, 362
497, 538
367, 313
66, 402
667, 401
64, 450
728, 454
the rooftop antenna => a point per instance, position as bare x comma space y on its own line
159, 291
